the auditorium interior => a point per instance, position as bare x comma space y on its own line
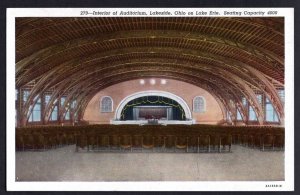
149, 99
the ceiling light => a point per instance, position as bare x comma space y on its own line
152, 81
163, 81
142, 81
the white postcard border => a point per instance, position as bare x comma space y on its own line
287, 185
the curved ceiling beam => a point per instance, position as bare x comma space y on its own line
223, 60
205, 73
246, 91
88, 82
191, 37
40, 58
85, 93
226, 73
88, 69
186, 52
76, 27
271, 25
224, 48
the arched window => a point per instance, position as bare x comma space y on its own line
26, 94
62, 102
54, 114
106, 104
281, 94
238, 115
228, 116
252, 114
271, 114
36, 112
199, 104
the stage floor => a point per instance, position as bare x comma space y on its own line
145, 122
64, 164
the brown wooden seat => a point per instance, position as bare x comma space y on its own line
159, 141
82, 140
215, 142
225, 142
181, 142
258, 140
114, 141
204, 143
48, 143
279, 141
63, 138
19, 142
29, 142
92, 141
70, 139
251, 140
268, 142
137, 141
125, 141
193, 144
194, 138
148, 141
235, 138
240, 136
244, 139
39, 141
58, 139
193, 141
103, 141
170, 142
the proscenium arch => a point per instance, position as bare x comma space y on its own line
133, 96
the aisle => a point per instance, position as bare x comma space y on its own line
63, 164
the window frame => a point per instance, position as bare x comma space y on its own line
269, 104
36, 109
204, 105
101, 105
57, 112
251, 112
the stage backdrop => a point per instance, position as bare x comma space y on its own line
153, 107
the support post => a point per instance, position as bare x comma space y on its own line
198, 145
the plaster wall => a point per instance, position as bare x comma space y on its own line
186, 91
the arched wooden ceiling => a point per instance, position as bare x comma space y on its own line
229, 57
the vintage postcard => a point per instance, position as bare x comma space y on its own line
150, 99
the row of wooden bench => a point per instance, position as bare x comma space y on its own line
192, 138
208, 143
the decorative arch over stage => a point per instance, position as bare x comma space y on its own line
179, 100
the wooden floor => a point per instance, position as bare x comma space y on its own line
64, 164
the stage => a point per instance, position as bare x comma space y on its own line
152, 115
149, 122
